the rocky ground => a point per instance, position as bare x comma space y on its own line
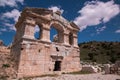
97, 76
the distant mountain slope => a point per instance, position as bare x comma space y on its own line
100, 52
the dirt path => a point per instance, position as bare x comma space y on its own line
97, 76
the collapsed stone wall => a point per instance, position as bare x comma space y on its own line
6, 63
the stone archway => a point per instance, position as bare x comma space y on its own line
35, 57
60, 30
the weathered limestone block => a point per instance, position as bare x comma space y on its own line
90, 68
107, 69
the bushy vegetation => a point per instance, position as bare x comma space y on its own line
5, 65
100, 52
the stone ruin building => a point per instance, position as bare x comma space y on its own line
35, 57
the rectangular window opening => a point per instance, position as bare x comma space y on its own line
57, 49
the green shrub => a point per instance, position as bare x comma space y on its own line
5, 65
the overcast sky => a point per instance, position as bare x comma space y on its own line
97, 19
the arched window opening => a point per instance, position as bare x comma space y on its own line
53, 34
70, 38
57, 32
37, 33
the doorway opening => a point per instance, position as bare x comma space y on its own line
57, 66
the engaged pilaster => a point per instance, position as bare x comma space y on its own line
45, 34
29, 28
75, 40
66, 39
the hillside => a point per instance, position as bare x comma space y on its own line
100, 52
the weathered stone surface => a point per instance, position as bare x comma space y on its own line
107, 68
90, 68
35, 57
6, 64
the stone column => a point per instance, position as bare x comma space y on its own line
66, 38
45, 34
29, 25
75, 40
107, 68
60, 37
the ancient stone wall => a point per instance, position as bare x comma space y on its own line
6, 64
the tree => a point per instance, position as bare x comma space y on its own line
113, 59
91, 56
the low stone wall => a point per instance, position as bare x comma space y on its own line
113, 69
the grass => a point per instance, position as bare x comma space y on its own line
80, 72
5, 65
49, 75
46, 75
